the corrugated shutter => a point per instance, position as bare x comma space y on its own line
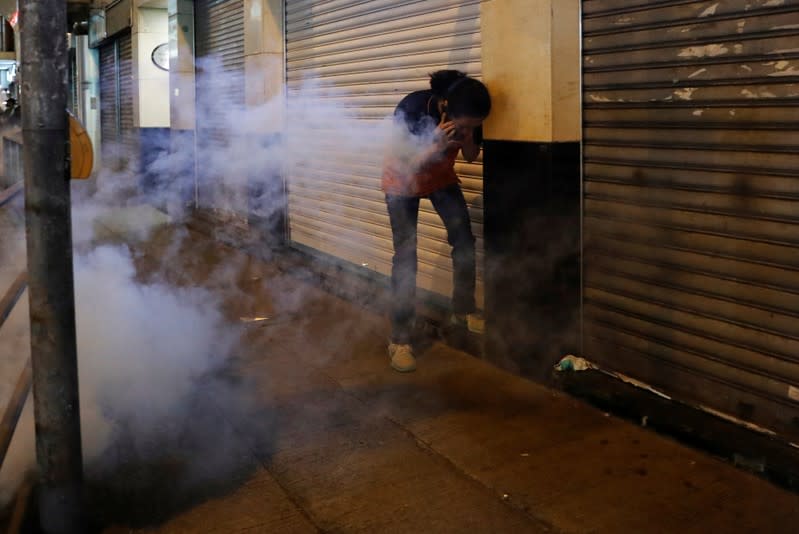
220, 91
691, 220
127, 132
109, 104
118, 135
370, 55
73, 80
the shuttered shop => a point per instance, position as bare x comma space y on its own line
220, 99
128, 137
109, 101
362, 58
691, 207
118, 135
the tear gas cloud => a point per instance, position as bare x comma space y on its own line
149, 351
143, 351
146, 349
239, 154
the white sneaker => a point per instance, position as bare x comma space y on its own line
473, 322
402, 359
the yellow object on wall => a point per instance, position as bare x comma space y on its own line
81, 152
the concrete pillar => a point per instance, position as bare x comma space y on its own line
265, 89
151, 84
263, 55
149, 30
531, 64
182, 105
182, 101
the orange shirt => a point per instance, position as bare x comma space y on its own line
429, 178
419, 112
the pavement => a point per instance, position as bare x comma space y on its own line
325, 437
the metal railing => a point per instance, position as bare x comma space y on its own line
9, 419
12, 172
12, 412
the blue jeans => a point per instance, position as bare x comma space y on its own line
403, 213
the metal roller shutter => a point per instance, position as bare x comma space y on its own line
691, 200
364, 56
127, 132
117, 133
73, 82
220, 91
109, 104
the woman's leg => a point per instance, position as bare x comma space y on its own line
403, 212
451, 207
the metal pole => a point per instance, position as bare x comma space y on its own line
50, 277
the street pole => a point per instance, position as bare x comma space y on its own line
44, 64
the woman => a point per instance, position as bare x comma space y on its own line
442, 121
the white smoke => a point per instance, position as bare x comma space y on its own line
238, 170
149, 350
143, 350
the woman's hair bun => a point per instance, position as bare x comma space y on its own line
442, 80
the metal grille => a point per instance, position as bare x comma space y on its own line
219, 26
364, 57
73, 80
117, 132
691, 207
127, 132
109, 104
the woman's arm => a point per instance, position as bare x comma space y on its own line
442, 140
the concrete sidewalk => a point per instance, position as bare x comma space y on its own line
338, 442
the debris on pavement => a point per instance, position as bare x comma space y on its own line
574, 363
